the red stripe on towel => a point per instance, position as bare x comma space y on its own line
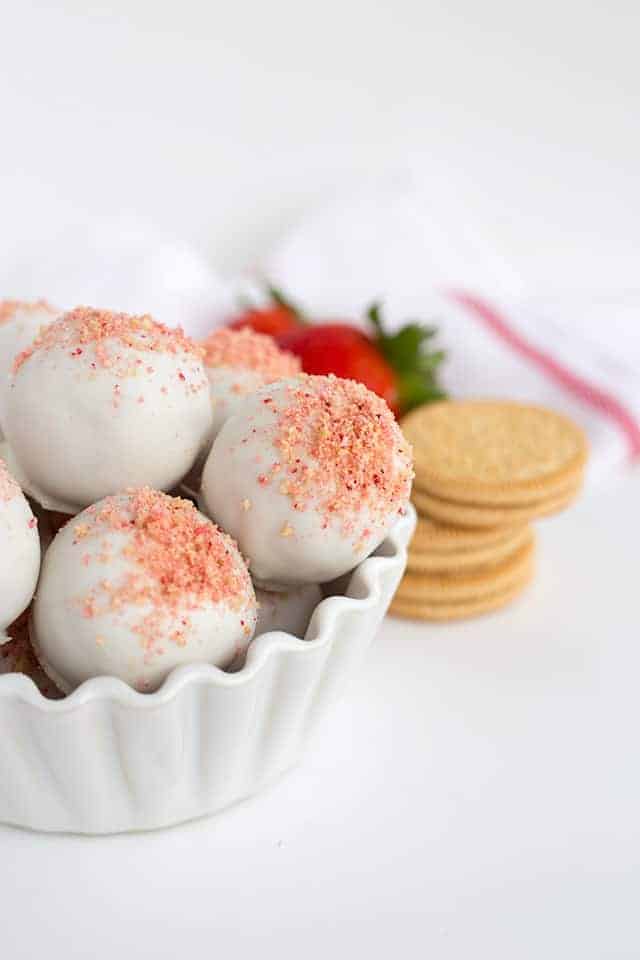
585, 391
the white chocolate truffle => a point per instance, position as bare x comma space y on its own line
19, 551
239, 362
105, 401
290, 611
137, 585
308, 478
20, 324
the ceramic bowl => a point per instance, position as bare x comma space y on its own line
107, 759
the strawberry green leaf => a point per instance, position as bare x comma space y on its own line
415, 363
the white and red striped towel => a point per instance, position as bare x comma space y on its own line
580, 354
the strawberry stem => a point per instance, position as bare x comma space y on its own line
280, 300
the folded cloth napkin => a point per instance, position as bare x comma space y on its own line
580, 355
121, 262
395, 241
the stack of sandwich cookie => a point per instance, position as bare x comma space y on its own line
484, 470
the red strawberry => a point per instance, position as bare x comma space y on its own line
342, 349
399, 368
277, 318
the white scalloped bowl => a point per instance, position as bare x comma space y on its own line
108, 759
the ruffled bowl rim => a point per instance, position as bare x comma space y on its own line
363, 594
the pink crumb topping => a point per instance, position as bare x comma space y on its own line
339, 446
247, 350
100, 329
8, 486
9, 308
179, 561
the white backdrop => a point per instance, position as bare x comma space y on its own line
478, 793
221, 122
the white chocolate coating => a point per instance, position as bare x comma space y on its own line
286, 547
19, 558
228, 387
73, 646
17, 332
289, 611
78, 433
239, 362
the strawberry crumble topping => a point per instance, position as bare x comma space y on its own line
340, 446
178, 562
8, 308
107, 333
247, 350
8, 486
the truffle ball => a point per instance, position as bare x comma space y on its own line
239, 362
136, 585
20, 324
104, 401
308, 478
19, 551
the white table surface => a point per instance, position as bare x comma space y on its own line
476, 795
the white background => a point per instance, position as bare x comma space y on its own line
478, 793
222, 122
